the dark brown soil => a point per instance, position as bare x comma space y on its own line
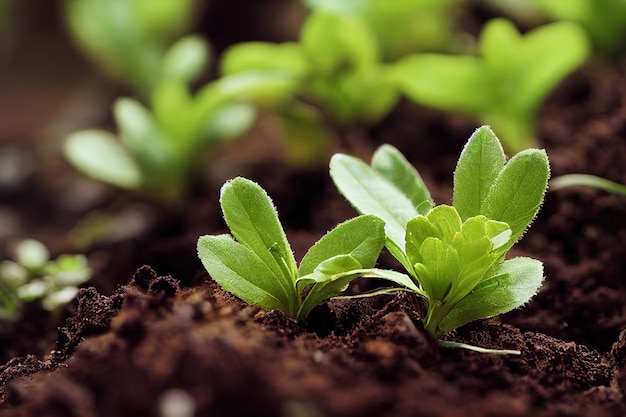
136, 339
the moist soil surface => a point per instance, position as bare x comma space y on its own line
152, 330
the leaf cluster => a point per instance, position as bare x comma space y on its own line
33, 277
257, 265
455, 254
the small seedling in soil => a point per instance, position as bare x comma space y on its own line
259, 266
505, 86
455, 254
33, 277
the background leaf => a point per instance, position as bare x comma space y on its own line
102, 157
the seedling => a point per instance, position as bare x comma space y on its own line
33, 277
259, 266
503, 87
455, 254
130, 40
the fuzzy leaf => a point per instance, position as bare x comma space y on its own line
516, 282
480, 162
186, 59
237, 269
517, 192
252, 56
253, 220
362, 238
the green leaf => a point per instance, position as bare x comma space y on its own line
237, 269
370, 192
253, 220
99, 155
362, 238
229, 122
480, 162
391, 164
254, 56
450, 83
186, 59
518, 191
516, 282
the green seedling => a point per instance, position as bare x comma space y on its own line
455, 254
33, 277
586, 180
131, 40
504, 86
259, 266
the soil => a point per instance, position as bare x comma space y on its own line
152, 330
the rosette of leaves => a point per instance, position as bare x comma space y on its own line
258, 266
33, 277
455, 254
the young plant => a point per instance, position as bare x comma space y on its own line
259, 266
455, 254
130, 39
505, 85
33, 277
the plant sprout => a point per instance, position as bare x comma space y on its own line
33, 277
259, 266
455, 254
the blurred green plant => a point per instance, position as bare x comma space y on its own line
161, 147
504, 86
33, 277
604, 20
130, 39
